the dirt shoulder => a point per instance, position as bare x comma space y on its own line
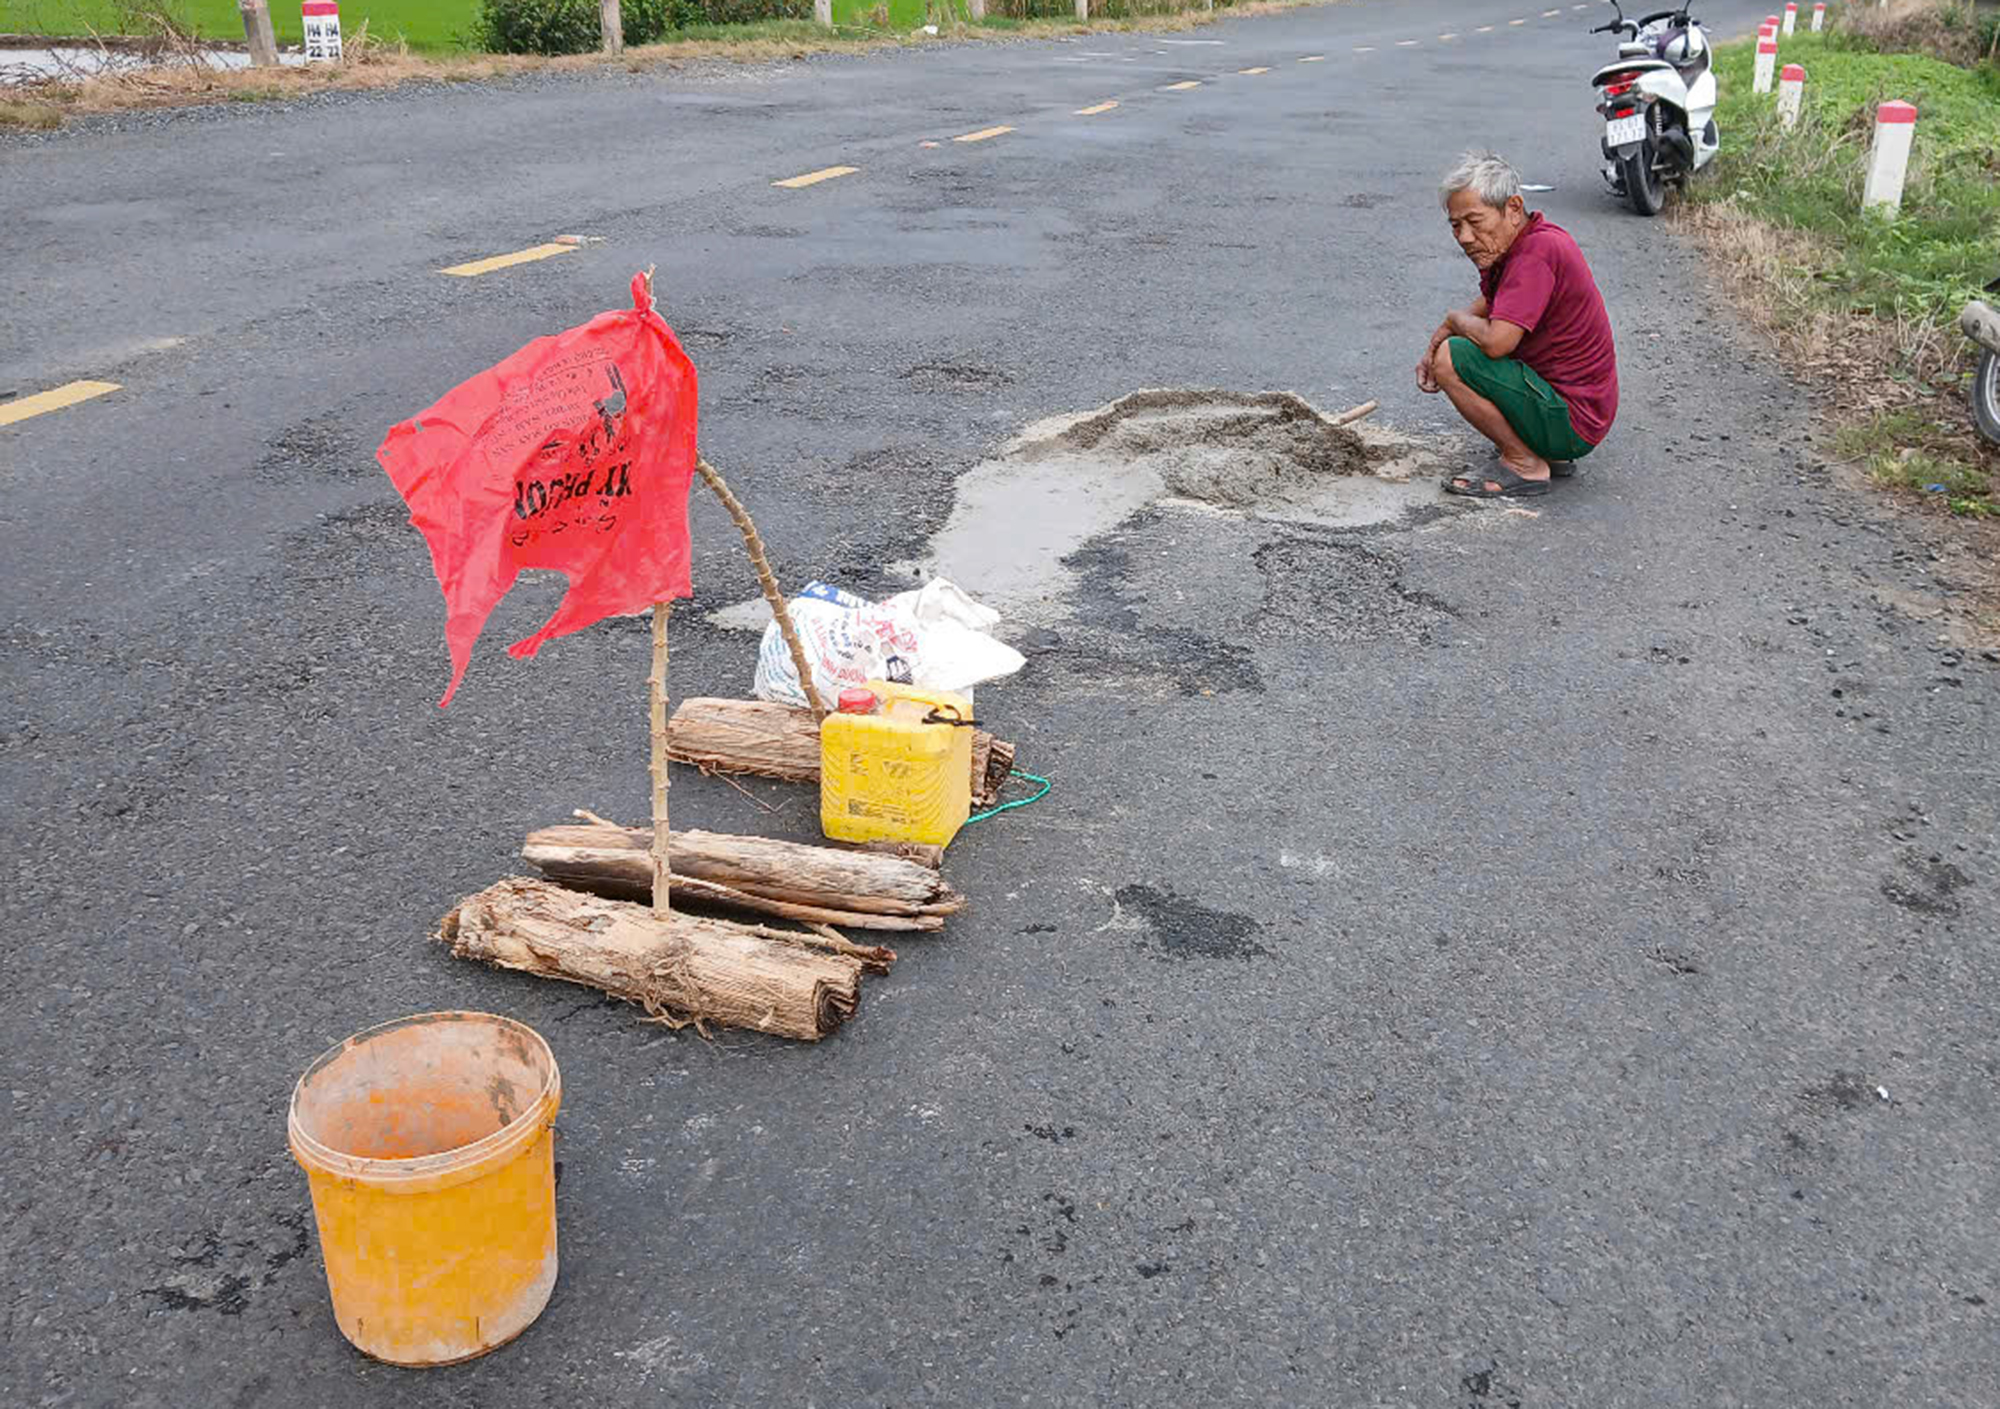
172, 71
1864, 309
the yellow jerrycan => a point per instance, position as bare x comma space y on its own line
896, 765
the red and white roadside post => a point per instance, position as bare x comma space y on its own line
1819, 17
1791, 92
1889, 157
1767, 63
1791, 17
321, 22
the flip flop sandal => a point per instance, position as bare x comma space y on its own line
1512, 486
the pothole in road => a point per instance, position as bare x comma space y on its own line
1067, 480
1343, 592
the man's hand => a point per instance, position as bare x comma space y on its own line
1426, 382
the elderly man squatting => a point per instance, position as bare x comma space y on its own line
1530, 362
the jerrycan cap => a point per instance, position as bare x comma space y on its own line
858, 701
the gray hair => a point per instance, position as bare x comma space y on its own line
1487, 176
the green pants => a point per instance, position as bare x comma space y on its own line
1532, 407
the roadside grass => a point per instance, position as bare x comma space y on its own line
1916, 453
426, 25
1863, 305
32, 116
447, 27
372, 63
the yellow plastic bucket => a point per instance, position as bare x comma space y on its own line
430, 1148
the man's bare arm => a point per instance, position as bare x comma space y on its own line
1495, 337
1478, 308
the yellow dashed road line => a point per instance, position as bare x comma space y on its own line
506, 261
1093, 112
1443, 37
1484, 29
1181, 87
1364, 48
1313, 59
1406, 43
53, 400
1550, 14
1252, 70
813, 178
1517, 22
983, 133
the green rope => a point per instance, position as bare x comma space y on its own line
1040, 793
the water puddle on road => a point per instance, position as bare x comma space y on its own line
1069, 479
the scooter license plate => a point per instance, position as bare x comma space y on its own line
1620, 130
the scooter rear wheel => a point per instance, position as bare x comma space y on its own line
1986, 396
1644, 187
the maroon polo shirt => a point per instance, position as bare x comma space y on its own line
1543, 286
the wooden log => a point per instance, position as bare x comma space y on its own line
680, 968
923, 853
821, 884
777, 741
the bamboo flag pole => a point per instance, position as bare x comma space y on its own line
656, 690
657, 678
753, 543
656, 682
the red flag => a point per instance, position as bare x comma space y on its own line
575, 454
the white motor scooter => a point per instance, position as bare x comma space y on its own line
1658, 104
1981, 323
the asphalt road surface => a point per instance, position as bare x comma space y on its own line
1484, 958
